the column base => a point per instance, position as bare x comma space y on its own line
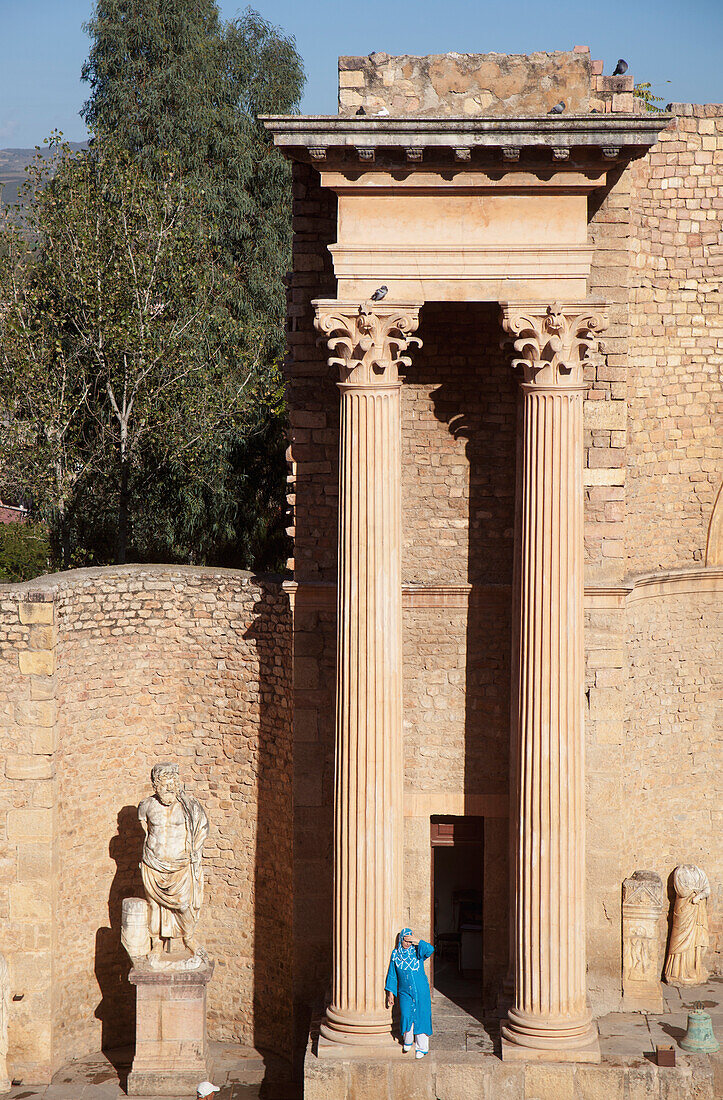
512, 1053
385, 1048
527, 1037
355, 1032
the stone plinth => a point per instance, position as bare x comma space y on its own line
642, 909
171, 1046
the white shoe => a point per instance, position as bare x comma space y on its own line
406, 1050
419, 1053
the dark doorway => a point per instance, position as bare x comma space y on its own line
457, 905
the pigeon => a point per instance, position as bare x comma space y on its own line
558, 108
379, 294
621, 68
361, 111
383, 113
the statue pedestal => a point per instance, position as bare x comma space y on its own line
171, 1048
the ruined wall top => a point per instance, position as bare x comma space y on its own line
467, 83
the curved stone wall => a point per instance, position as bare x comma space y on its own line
145, 663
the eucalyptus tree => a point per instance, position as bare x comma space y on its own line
171, 82
118, 355
167, 79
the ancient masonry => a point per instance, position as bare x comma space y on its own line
652, 450
104, 671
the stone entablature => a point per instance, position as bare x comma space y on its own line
460, 209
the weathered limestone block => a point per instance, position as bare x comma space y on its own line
642, 909
37, 662
29, 822
469, 84
22, 766
36, 612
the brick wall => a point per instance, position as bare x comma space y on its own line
675, 460
150, 663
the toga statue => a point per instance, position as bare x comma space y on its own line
176, 828
689, 936
5, 1084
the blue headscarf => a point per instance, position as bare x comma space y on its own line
406, 958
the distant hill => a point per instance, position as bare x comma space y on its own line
13, 163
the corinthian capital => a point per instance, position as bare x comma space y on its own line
552, 343
367, 341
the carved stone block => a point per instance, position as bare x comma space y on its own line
642, 910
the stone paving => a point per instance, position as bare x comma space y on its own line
242, 1072
460, 1025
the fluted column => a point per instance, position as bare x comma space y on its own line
550, 1019
367, 343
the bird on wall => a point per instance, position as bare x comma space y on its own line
361, 111
621, 68
558, 108
380, 293
383, 113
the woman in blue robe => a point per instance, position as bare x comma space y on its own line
407, 981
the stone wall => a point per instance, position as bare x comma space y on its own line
673, 734
465, 83
675, 463
148, 663
28, 859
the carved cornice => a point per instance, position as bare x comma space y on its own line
367, 341
587, 137
552, 343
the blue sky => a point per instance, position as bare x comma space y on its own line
680, 41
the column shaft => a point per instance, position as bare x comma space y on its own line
368, 793
550, 940
369, 780
549, 1017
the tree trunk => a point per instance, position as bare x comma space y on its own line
123, 511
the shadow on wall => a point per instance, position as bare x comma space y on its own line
117, 1008
273, 895
477, 398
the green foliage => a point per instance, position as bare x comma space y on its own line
142, 298
119, 356
644, 92
168, 78
24, 551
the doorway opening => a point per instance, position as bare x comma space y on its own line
457, 878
